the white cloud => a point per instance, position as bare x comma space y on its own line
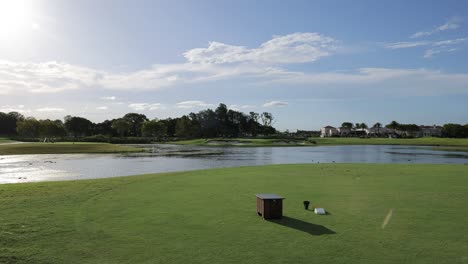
450, 42
436, 46
431, 52
102, 108
444, 46
14, 108
260, 65
381, 81
44, 77
451, 24
145, 106
241, 107
292, 48
404, 45
192, 104
217, 62
35, 26
50, 109
109, 98
275, 104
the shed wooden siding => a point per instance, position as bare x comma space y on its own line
270, 208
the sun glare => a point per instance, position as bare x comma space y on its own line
15, 17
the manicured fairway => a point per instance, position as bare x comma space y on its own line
209, 217
63, 148
243, 142
461, 143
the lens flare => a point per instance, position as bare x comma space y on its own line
387, 218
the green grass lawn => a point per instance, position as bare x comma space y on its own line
461, 143
209, 217
243, 142
63, 148
5, 140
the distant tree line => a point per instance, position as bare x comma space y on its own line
403, 127
220, 122
455, 130
393, 125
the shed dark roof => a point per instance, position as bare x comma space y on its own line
268, 196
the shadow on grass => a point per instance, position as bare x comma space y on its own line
313, 229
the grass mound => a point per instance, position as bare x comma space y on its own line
378, 214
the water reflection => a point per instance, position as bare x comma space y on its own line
168, 158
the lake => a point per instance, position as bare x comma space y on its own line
170, 158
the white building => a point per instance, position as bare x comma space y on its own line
424, 131
329, 131
344, 131
430, 131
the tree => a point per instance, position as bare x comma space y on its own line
153, 128
363, 125
455, 130
122, 126
222, 118
253, 123
347, 125
221, 122
393, 125
267, 118
170, 124
8, 123
136, 121
185, 127
49, 128
236, 123
377, 126
208, 123
78, 126
28, 127
104, 128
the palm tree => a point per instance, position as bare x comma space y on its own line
377, 126
347, 125
393, 125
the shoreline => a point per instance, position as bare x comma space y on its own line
26, 148
254, 142
30, 148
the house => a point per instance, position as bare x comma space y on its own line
329, 131
410, 130
430, 131
344, 131
379, 131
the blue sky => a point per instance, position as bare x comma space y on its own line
310, 63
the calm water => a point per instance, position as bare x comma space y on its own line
29, 168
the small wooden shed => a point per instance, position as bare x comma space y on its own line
270, 206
